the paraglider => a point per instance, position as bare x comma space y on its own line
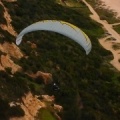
55, 87
61, 27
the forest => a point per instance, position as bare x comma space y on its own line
89, 85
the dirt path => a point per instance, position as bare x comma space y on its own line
107, 44
114, 24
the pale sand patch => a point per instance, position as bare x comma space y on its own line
113, 5
116, 53
8, 26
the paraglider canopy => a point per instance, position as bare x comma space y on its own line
61, 27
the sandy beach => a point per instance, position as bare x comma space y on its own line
112, 5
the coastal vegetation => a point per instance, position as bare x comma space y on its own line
45, 114
89, 88
117, 28
105, 14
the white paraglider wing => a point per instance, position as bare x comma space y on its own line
60, 27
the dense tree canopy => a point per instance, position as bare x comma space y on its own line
87, 81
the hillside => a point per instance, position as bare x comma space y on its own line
89, 84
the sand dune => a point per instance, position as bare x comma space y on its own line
108, 45
113, 5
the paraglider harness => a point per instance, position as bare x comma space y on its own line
55, 86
